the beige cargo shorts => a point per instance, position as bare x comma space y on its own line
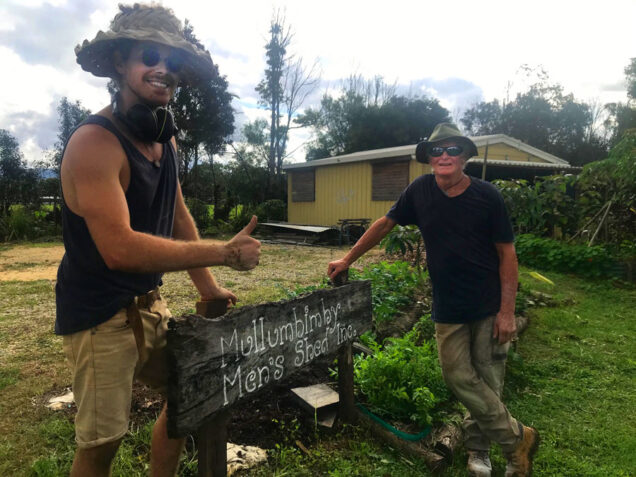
106, 359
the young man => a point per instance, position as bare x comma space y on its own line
125, 223
473, 268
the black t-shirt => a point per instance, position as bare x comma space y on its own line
460, 235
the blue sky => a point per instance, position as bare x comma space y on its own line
459, 52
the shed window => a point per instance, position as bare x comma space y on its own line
303, 186
389, 180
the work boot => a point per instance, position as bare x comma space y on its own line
478, 463
520, 460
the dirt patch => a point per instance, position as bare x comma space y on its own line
28, 263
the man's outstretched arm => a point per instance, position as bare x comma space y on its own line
378, 230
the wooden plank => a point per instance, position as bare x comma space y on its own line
316, 396
212, 446
345, 383
212, 435
214, 363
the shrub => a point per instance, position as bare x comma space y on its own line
612, 179
405, 241
547, 254
393, 286
200, 212
273, 209
23, 223
403, 380
241, 217
568, 204
543, 207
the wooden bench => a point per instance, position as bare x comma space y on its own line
352, 229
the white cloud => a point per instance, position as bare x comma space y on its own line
583, 46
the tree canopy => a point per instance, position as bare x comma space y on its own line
369, 115
544, 117
70, 115
204, 116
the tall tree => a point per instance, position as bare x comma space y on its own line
622, 116
205, 119
18, 183
70, 115
270, 89
369, 115
630, 75
283, 90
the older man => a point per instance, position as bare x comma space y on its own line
125, 223
473, 268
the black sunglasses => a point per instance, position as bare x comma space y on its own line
453, 151
151, 57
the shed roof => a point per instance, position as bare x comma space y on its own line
525, 164
409, 151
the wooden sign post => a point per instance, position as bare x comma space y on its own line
214, 363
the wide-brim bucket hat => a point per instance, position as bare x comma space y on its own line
444, 132
144, 23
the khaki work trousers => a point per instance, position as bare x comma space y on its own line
473, 365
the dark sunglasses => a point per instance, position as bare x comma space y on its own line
453, 151
151, 57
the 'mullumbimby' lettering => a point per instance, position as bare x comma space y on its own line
307, 333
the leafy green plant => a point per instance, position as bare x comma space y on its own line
200, 212
25, 223
544, 207
575, 205
393, 286
402, 380
405, 241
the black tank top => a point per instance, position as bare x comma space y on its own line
87, 292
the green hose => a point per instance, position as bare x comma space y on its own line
386, 425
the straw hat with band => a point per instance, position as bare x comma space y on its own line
144, 23
444, 132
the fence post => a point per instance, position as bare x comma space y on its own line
211, 437
346, 406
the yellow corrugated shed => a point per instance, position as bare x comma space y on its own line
505, 152
341, 186
343, 191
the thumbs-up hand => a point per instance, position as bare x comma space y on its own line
243, 251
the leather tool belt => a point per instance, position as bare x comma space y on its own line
134, 319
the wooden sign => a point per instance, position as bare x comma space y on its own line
214, 363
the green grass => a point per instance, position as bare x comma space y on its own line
577, 381
573, 378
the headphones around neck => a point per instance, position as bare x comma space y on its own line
145, 123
